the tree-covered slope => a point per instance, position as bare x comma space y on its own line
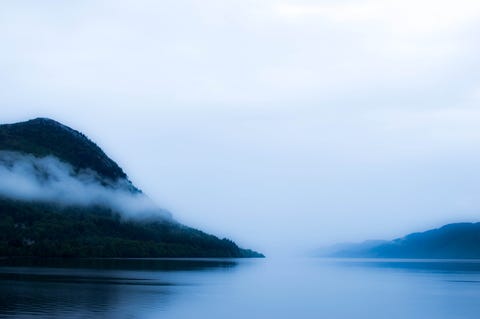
54, 225
43, 137
48, 230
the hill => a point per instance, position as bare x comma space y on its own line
62, 196
45, 137
452, 241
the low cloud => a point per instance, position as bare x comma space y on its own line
47, 179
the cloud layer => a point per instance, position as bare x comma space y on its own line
47, 179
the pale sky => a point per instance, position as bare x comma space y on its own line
284, 125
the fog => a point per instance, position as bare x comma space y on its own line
282, 124
47, 179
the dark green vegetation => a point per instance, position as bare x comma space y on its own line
47, 230
30, 228
455, 241
42, 137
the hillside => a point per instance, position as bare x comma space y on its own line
42, 137
62, 196
454, 241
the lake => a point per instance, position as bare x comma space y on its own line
247, 288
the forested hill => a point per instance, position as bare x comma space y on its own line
62, 196
45, 137
47, 230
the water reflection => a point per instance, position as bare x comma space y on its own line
110, 288
415, 265
164, 264
239, 289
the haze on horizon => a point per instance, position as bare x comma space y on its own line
284, 125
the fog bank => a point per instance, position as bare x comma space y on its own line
47, 179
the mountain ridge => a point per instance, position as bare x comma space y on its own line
451, 241
32, 227
43, 136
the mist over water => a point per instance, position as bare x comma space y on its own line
284, 125
48, 179
239, 289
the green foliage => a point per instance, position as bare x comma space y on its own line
48, 230
45, 230
43, 137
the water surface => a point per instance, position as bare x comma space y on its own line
234, 288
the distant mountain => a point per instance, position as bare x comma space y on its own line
454, 241
62, 196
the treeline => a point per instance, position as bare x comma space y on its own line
46, 230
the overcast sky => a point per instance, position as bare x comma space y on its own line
283, 125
